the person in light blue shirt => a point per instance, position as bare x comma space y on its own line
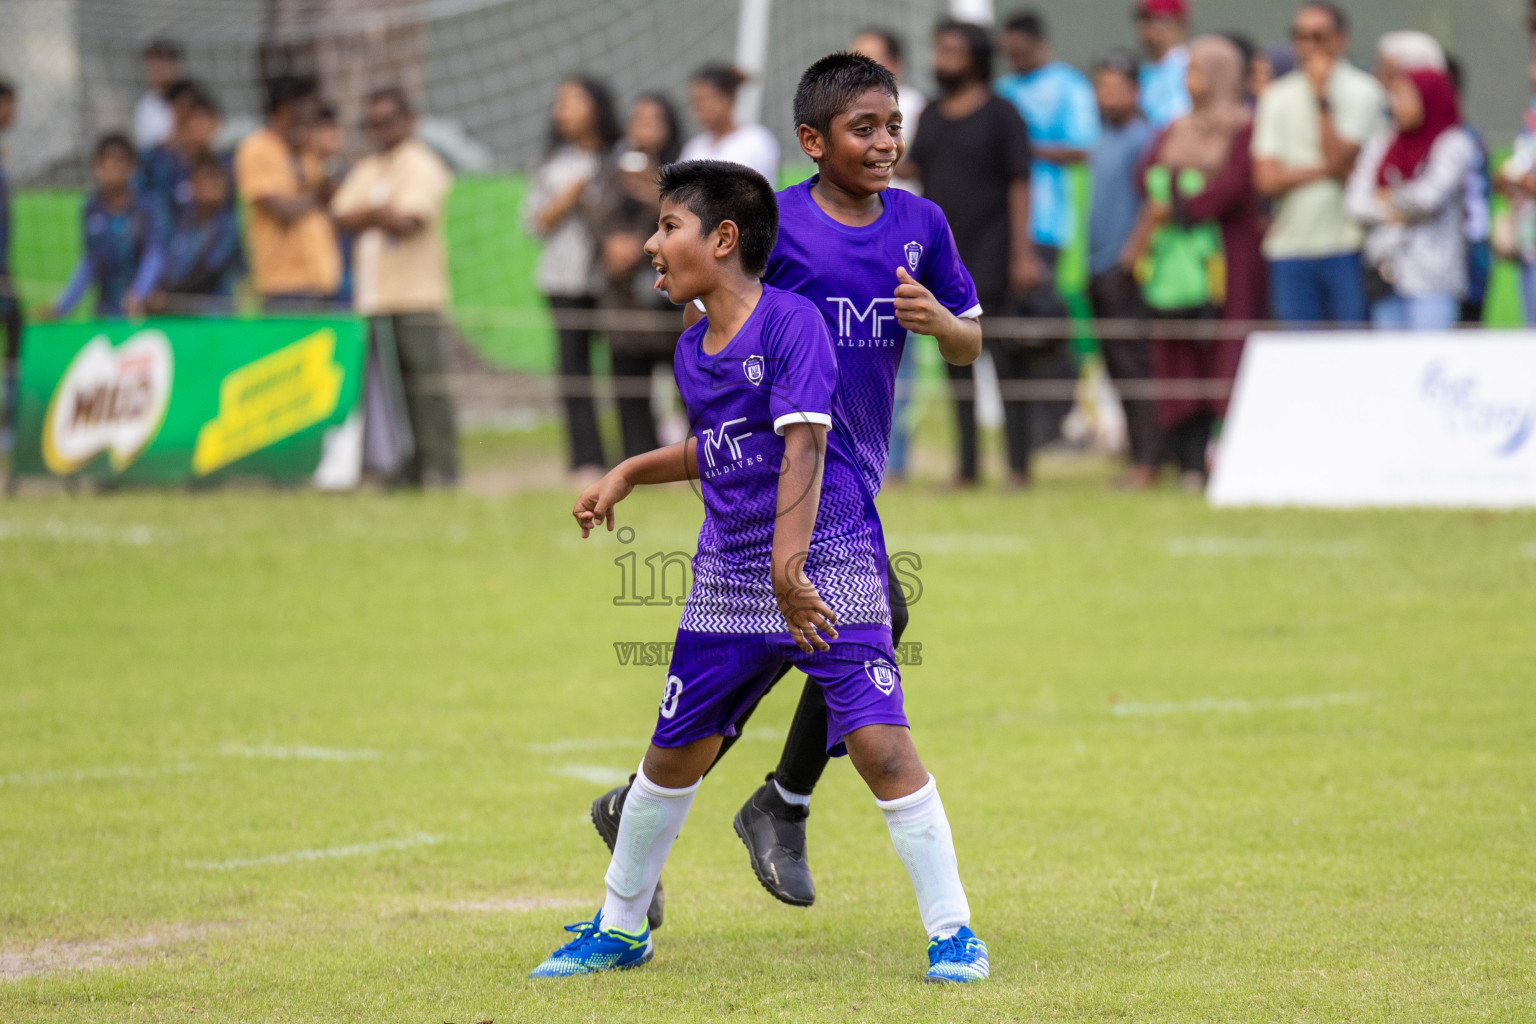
1161, 27
1057, 104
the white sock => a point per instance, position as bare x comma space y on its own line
796, 799
653, 816
920, 832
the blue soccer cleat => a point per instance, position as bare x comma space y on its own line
594, 949
960, 958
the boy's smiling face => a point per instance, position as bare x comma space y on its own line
860, 150
686, 260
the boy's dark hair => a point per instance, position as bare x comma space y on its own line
285, 89
1333, 10
1246, 48
894, 47
118, 141
7, 89
326, 113
392, 94
1120, 61
1030, 23
163, 47
833, 84
716, 191
204, 103
724, 77
976, 38
1456, 72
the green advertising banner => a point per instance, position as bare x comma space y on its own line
176, 400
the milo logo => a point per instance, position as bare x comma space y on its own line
111, 399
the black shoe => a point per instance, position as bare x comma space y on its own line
606, 811
774, 833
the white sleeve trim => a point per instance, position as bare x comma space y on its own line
971, 314
801, 417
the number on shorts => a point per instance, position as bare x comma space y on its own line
669, 696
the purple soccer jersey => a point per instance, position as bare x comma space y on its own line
779, 369
849, 274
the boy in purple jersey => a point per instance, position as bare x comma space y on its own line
876, 262
789, 570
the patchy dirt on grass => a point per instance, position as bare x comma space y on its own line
56, 957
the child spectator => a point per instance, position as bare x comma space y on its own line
204, 259
123, 254
164, 173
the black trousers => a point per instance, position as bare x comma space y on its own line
1115, 295
1026, 424
575, 365
804, 757
11, 322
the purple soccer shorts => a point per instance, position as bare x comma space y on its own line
715, 677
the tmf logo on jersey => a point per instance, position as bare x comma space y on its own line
719, 437
848, 314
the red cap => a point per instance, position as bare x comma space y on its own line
1177, 9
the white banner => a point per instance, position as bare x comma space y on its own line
1381, 419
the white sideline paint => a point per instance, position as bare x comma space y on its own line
44, 778
299, 753
84, 533
1205, 705
328, 853
1253, 547
596, 774
636, 743
959, 544
514, 904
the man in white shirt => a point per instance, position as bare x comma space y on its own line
712, 101
152, 119
1308, 130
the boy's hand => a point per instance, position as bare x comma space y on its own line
596, 502
916, 308
807, 615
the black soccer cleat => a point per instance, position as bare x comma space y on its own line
774, 833
606, 811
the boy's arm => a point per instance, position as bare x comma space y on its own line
666, 465
805, 446
79, 281
920, 312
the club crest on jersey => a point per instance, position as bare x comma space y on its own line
914, 251
753, 365
882, 673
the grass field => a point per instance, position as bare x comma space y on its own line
288, 757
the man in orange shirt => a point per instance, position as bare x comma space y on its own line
295, 262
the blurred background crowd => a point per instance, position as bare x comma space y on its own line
1139, 213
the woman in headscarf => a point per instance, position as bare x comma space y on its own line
1200, 236
1407, 190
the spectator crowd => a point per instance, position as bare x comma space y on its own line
1226, 181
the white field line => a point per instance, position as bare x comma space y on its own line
514, 905
84, 533
635, 743
44, 778
959, 544
328, 853
1257, 547
598, 775
1207, 705
299, 753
